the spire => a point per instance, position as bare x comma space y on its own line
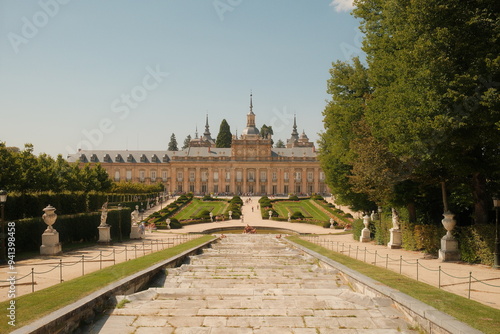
295, 134
251, 104
207, 128
196, 133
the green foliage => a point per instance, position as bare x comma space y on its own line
136, 188
267, 132
224, 137
187, 142
357, 226
24, 172
280, 144
72, 228
207, 198
297, 215
293, 198
172, 144
476, 243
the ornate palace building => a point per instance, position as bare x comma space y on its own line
250, 166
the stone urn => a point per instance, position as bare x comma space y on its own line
49, 217
448, 223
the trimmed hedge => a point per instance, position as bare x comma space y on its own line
20, 206
72, 228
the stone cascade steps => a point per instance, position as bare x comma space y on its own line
253, 284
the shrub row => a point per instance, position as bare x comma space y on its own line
30, 205
72, 229
476, 243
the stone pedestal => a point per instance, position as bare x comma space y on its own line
50, 243
365, 233
449, 249
135, 232
449, 245
104, 234
396, 238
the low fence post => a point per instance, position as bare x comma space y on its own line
386, 260
32, 279
375, 257
83, 265
114, 256
100, 259
417, 270
357, 249
60, 270
470, 282
400, 263
364, 259
439, 278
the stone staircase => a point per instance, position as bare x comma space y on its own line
252, 284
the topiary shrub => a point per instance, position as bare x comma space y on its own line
174, 224
297, 215
207, 198
293, 198
204, 214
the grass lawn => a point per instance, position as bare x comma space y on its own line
197, 205
306, 207
40, 303
477, 315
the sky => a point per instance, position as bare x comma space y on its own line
123, 74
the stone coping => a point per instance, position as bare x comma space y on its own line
428, 317
69, 317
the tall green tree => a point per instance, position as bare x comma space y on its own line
224, 137
187, 141
280, 144
172, 145
267, 132
350, 90
435, 68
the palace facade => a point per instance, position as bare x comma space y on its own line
250, 166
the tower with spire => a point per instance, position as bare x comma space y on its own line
250, 145
296, 140
204, 141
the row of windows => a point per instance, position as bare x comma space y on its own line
204, 176
250, 176
298, 189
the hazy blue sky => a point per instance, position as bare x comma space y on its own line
121, 74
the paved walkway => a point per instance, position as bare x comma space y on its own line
252, 284
487, 292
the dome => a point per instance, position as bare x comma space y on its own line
250, 130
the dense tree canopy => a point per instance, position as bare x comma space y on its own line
22, 171
186, 142
172, 145
280, 144
224, 138
424, 110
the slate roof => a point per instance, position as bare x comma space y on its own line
121, 156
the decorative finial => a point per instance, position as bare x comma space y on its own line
251, 104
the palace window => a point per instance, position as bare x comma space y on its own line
191, 176
216, 176
251, 177
274, 177
263, 176
285, 189
141, 175
310, 176
164, 175
321, 176
179, 176
298, 176
239, 175
285, 176
228, 176
117, 175
204, 176
153, 175
129, 175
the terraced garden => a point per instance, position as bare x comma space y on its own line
193, 209
306, 207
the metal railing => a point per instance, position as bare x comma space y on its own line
385, 261
131, 252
